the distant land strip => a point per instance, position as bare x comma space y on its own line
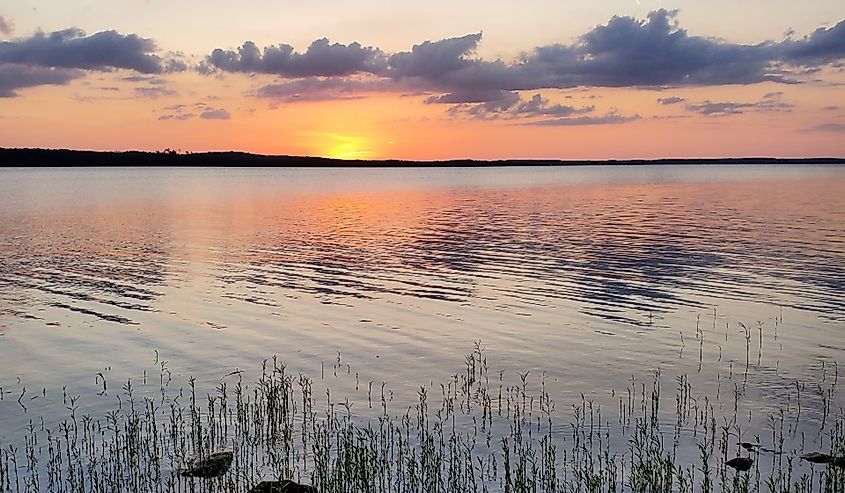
21, 157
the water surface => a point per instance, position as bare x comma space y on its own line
593, 275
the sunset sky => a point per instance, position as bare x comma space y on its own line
427, 80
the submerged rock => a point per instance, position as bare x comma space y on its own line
215, 465
740, 463
284, 486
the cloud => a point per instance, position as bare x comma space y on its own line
475, 96
15, 76
72, 48
181, 112
511, 106
769, 102
180, 116
434, 59
607, 119
655, 52
625, 52
215, 114
823, 46
670, 100
322, 58
57, 57
155, 92
826, 127
538, 105
323, 88
175, 63
6, 25
144, 78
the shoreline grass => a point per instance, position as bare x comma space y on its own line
477, 432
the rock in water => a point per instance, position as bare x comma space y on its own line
267, 487
285, 486
740, 463
215, 465
817, 458
751, 447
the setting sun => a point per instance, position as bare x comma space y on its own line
337, 146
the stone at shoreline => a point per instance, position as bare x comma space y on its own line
284, 486
215, 465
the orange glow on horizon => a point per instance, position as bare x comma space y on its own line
384, 125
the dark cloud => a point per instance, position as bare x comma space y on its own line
655, 52
491, 109
435, 59
322, 58
15, 76
540, 106
510, 106
175, 63
769, 102
6, 25
607, 119
625, 52
823, 46
215, 114
71, 48
831, 108
57, 57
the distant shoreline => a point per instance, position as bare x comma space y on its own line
24, 157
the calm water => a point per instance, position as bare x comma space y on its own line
594, 275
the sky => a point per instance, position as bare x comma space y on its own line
377, 79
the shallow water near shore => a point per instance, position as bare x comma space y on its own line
593, 276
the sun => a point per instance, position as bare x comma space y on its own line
338, 146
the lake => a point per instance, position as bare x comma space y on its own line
592, 276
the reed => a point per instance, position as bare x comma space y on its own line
475, 432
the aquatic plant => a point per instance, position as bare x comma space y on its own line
476, 432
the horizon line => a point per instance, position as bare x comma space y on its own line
35, 156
